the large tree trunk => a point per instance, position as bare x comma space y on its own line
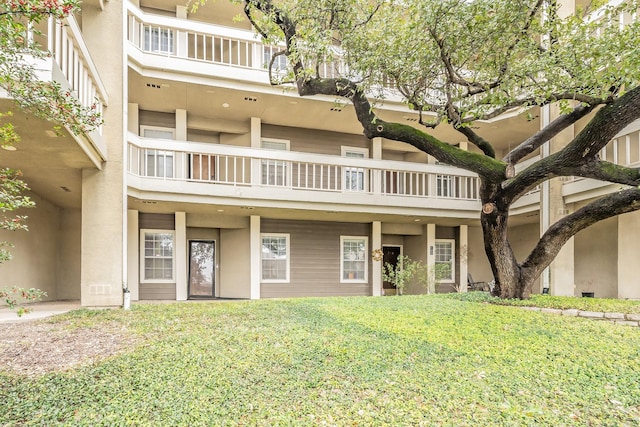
510, 280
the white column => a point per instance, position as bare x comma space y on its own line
181, 161
256, 142
181, 125
376, 153
463, 254
181, 256
376, 243
133, 254
181, 36
133, 114
256, 253
431, 251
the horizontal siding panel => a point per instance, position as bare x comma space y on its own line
157, 291
269, 290
157, 221
315, 141
315, 258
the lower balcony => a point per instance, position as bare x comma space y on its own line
197, 172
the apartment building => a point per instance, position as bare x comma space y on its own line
207, 182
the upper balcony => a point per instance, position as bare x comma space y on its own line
70, 65
623, 149
223, 174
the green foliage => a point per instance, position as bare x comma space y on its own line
403, 272
484, 56
416, 360
18, 76
14, 297
608, 305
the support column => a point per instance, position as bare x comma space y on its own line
181, 159
628, 238
430, 230
102, 270
133, 254
463, 249
376, 243
376, 153
133, 118
561, 270
181, 256
181, 39
256, 253
256, 142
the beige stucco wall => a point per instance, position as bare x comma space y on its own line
235, 263
596, 259
34, 255
628, 240
69, 254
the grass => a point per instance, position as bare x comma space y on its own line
546, 301
396, 361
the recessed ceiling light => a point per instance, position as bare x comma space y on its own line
225, 105
9, 148
293, 102
417, 220
220, 210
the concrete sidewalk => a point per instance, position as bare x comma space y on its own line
39, 310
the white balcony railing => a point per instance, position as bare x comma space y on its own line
248, 167
208, 43
70, 63
622, 150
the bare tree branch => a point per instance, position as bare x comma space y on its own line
558, 234
477, 140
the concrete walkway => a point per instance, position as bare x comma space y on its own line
39, 310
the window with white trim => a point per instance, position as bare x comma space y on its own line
274, 172
157, 256
353, 259
279, 63
158, 40
445, 260
355, 179
444, 185
158, 163
275, 258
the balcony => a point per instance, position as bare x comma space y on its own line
623, 150
70, 65
198, 48
241, 176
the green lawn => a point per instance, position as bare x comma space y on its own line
397, 361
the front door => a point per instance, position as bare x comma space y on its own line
202, 272
390, 255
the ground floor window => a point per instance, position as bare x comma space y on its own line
275, 258
445, 260
353, 259
157, 257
